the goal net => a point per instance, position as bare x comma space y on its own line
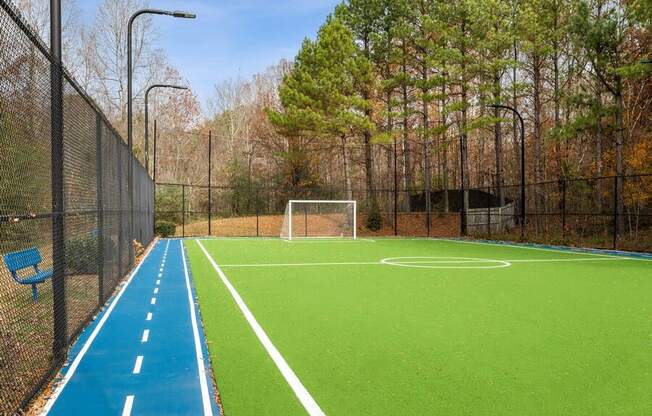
319, 219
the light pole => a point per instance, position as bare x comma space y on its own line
150, 88
513, 110
183, 15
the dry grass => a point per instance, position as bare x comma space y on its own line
26, 331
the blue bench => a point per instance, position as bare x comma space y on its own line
24, 259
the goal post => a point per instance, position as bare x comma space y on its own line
319, 219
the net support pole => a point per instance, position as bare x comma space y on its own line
489, 212
210, 170
290, 220
395, 191
563, 209
60, 340
100, 209
183, 211
257, 212
355, 220
154, 181
119, 147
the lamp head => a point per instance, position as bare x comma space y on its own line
183, 15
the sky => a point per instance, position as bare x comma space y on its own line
230, 38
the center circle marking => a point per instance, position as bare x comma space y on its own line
445, 262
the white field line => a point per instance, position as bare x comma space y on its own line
201, 367
129, 403
302, 264
306, 240
91, 338
293, 381
380, 263
553, 250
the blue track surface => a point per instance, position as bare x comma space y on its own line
169, 381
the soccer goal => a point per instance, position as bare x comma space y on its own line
319, 219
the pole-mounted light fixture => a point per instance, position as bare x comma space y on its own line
130, 141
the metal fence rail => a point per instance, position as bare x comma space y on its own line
80, 167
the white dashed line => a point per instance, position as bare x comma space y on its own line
158, 282
155, 290
138, 365
160, 275
153, 302
145, 337
129, 403
149, 316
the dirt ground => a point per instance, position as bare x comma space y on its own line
409, 225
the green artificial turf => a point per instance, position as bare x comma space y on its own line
534, 338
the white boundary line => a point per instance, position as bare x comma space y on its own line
362, 263
75, 363
300, 391
203, 382
328, 240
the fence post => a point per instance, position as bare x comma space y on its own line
616, 213
210, 169
60, 340
563, 209
118, 147
183, 211
395, 191
100, 208
257, 211
489, 212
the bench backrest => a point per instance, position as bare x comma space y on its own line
23, 259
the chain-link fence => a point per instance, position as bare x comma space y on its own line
580, 212
590, 212
59, 266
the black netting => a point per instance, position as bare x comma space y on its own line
87, 241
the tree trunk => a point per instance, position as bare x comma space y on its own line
426, 145
619, 133
498, 143
538, 147
515, 133
368, 160
444, 145
347, 175
407, 163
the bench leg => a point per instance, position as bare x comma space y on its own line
34, 293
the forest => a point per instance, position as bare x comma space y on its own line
403, 90
397, 97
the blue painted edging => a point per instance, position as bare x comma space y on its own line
633, 254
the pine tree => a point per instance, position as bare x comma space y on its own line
321, 97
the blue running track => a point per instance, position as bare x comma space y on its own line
144, 355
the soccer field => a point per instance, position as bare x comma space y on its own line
416, 327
